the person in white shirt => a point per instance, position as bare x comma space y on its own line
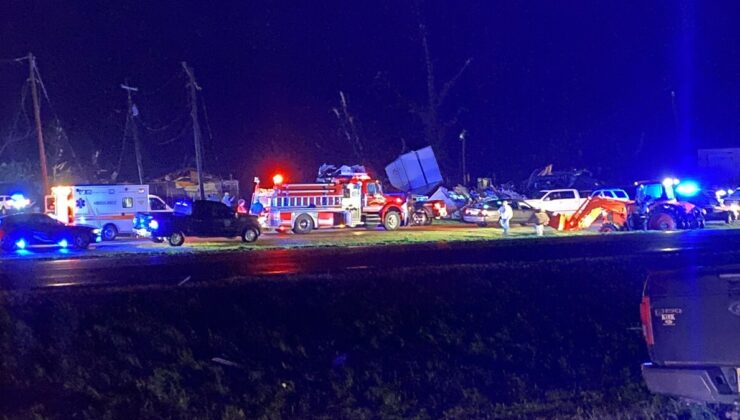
506, 213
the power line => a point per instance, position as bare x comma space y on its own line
13, 60
63, 132
178, 136
177, 75
22, 111
165, 127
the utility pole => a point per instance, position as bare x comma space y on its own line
132, 113
37, 117
463, 135
194, 88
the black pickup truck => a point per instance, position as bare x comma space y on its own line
205, 219
691, 323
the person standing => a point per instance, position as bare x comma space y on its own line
541, 220
506, 213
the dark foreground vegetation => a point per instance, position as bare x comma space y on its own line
547, 340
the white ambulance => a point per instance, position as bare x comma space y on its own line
110, 208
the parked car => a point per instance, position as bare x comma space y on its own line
732, 201
563, 201
202, 218
614, 193
712, 208
24, 230
13, 203
691, 324
485, 212
424, 210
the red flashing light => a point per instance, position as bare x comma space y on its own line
277, 179
399, 201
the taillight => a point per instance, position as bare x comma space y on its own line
646, 319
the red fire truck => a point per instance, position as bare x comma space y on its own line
348, 198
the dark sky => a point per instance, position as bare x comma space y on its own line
577, 84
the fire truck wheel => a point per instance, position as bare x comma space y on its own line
176, 239
109, 232
392, 220
303, 224
250, 235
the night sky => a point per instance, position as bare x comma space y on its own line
577, 83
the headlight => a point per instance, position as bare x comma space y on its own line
153, 225
96, 231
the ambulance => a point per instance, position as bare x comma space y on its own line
110, 208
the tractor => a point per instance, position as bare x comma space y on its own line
655, 208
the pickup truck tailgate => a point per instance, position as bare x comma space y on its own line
695, 317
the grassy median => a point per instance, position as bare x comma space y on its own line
503, 341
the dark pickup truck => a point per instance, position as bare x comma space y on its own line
205, 219
691, 323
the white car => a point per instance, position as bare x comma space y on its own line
13, 203
486, 211
562, 201
614, 193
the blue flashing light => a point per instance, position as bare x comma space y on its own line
98, 238
688, 188
153, 225
21, 244
63, 243
19, 201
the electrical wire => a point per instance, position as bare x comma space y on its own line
62, 131
177, 75
178, 136
13, 60
22, 111
165, 127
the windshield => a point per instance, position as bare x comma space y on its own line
374, 188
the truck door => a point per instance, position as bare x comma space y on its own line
201, 219
226, 221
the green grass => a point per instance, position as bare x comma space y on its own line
497, 341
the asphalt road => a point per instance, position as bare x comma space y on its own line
132, 263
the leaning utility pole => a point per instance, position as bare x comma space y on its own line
37, 117
132, 113
194, 88
463, 136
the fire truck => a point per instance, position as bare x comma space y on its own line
348, 197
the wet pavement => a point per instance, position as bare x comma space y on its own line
138, 262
